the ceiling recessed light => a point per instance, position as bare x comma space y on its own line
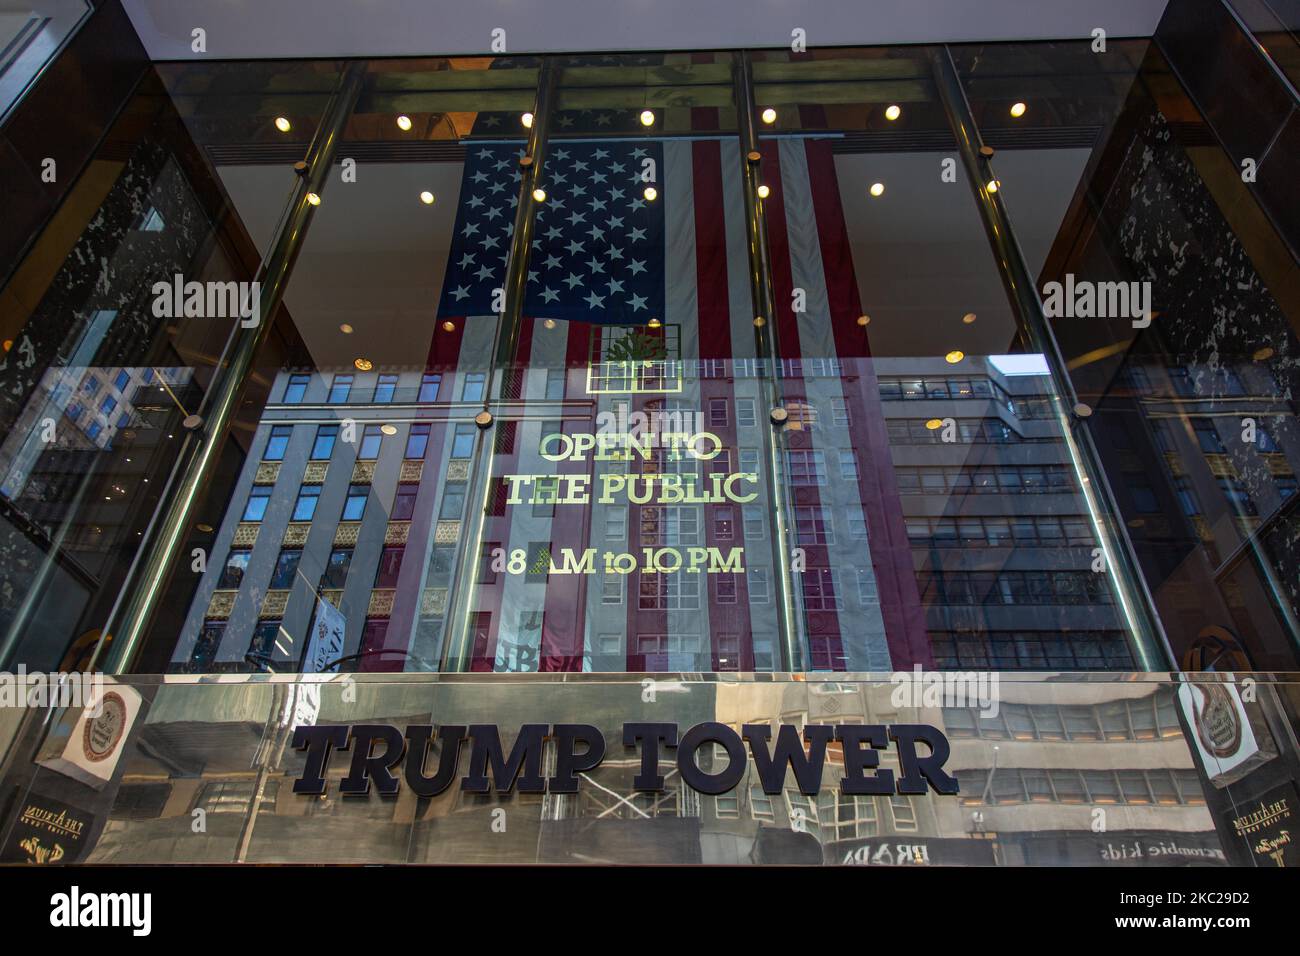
968, 318
934, 423
539, 194
893, 112
364, 364
1082, 409
877, 189
345, 329
426, 197
403, 122
651, 194
282, 124
205, 528
955, 356
647, 118
313, 198
388, 429
527, 120
549, 323
763, 192
654, 322
1018, 109
769, 116
864, 320
449, 326
992, 185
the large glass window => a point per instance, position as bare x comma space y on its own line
867, 467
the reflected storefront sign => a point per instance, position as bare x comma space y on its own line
1087, 770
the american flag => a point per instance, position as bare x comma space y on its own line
603, 256
597, 251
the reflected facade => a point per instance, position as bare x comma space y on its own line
734, 375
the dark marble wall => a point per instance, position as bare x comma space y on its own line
64, 117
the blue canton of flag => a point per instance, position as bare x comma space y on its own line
598, 244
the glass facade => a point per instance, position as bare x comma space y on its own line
745, 410
742, 377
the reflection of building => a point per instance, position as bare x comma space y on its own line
1000, 533
349, 474
1076, 773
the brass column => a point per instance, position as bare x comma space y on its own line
161, 545
1149, 644
790, 632
457, 644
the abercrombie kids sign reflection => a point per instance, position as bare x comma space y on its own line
378, 748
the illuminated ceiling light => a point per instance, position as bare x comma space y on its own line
449, 326
363, 364
877, 189
527, 120
1082, 409
769, 116
388, 429
1018, 110
282, 124
864, 320
313, 198
404, 122
992, 185
1263, 354
759, 321
426, 197
893, 112
955, 356
968, 318
651, 194
549, 323
763, 192
539, 194
934, 423
647, 118
654, 322
345, 329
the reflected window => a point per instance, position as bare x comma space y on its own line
258, 499
277, 443
417, 442
304, 508
355, 505
286, 567
429, 387
236, 566
340, 389
296, 389
385, 389
336, 568
323, 447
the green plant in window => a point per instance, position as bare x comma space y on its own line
637, 347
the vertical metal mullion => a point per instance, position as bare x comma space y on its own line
146, 580
768, 352
456, 645
1150, 646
